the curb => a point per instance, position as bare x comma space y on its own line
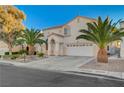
119, 75
95, 75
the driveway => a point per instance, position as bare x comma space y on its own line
63, 63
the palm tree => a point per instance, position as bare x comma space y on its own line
21, 42
32, 37
102, 33
9, 38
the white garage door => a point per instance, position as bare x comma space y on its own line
80, 51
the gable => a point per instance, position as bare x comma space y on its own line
80, 19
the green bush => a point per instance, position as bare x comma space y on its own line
23, 51
14, 53
6, 53
40, 54
14, 56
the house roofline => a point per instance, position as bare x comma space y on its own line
60, 26
53, 27
56, 34
122, 22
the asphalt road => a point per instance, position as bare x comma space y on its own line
11, 76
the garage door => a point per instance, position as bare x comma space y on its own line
80, 51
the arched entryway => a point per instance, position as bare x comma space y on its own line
52, 44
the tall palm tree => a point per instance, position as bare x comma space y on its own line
9, 38
102, 33
32, 37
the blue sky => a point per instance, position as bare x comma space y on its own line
44, 16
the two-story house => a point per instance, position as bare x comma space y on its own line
62, 39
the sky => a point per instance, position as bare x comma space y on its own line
44, 16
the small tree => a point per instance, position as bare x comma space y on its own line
11, 23
9, 39
102, 33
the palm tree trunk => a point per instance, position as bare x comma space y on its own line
102, 56
31, 50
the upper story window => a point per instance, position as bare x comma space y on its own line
66, 31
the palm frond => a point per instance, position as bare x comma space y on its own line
102, 32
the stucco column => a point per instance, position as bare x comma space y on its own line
57, 49
49, 48
122, 49
122, 43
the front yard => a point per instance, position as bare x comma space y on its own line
116, 65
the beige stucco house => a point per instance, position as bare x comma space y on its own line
62, 39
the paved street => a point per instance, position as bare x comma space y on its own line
11, 76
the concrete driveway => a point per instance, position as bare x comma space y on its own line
61, 63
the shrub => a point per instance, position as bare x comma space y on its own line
14, 53
14, 56
40, 54
6, 53
23, 51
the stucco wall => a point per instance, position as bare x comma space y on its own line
56, 30
74, 26
122, 43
